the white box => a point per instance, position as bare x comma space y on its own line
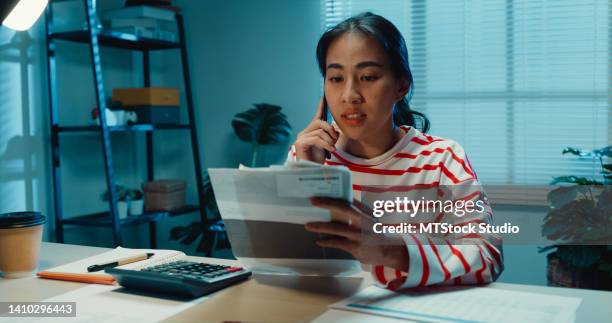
137, 31
140, 12
134, 22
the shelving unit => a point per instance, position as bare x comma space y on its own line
96, 38
117, 40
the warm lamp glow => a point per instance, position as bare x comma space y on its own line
24, 14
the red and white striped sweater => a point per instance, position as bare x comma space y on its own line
423, 160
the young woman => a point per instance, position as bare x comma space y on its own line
368, 83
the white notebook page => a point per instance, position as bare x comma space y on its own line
159, 257
472, 304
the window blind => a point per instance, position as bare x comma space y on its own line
514, 82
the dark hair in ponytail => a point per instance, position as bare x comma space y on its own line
394, 45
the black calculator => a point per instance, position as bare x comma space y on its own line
180, 278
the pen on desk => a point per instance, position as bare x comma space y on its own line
120, 262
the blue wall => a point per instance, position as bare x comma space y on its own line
245, 52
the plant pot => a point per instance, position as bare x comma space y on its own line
561, 274
122, 208
136, 207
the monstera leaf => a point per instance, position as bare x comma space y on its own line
561, 196
263, 125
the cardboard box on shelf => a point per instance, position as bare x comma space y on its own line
133, 97
164, 195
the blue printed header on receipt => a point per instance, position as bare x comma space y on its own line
308, 185
304, 179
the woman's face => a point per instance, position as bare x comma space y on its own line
360, 87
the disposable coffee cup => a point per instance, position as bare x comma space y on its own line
20, 240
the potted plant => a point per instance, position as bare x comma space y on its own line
115, 114
263, 125
136, 201
122, 200
188, 234
579, 222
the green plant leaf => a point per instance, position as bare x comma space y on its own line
574, 180
187, 235
548, 248
570, 222
557, 230
583, 220
177, 233
120, 192
264, 125
209, 200
603, 152
133, 194
597, 234
574, 151
562, 195
595, 153
604, 202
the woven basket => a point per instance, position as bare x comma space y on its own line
164, 195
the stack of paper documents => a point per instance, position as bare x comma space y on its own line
460, 304
265, 209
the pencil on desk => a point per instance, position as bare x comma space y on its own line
81, 278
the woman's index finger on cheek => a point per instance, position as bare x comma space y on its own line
319, 112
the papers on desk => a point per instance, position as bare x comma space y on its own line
265, 209
462, 304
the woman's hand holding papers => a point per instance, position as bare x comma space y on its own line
318, 137
352, 231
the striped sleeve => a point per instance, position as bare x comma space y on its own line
457, 258
291, 155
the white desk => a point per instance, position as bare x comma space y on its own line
270, 299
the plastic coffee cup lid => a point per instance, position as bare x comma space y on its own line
21, 220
